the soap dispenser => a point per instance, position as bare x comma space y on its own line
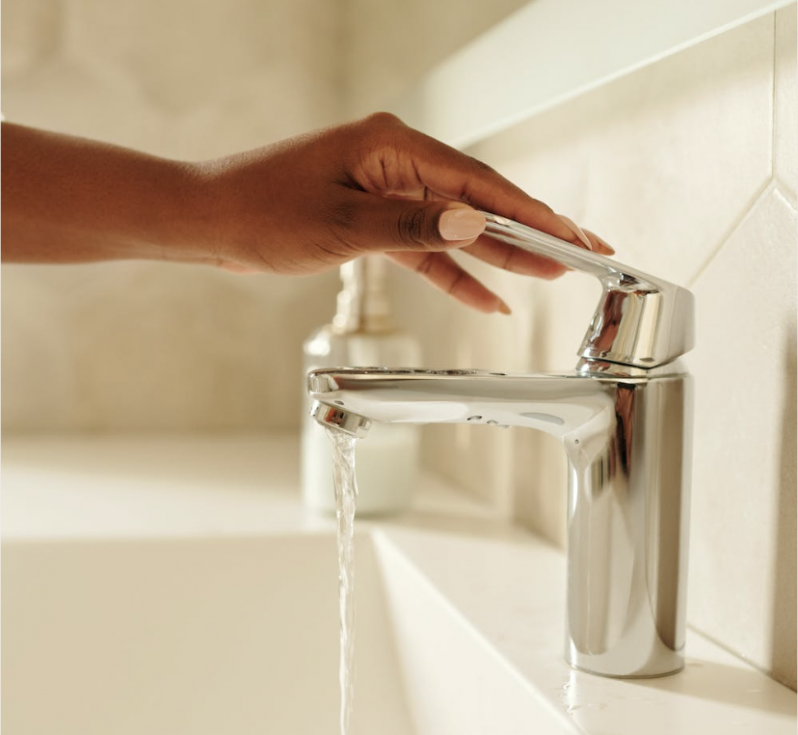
362, 334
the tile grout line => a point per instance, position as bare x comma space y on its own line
783, 195
770, 185
759, 196
773, 102
778, 180
774, 145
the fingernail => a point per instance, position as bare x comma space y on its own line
504, 309
461, 224
577, 230
610, 250
603, 246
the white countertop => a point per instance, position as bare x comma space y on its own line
508, 585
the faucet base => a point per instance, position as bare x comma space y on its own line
628, 516
658, 675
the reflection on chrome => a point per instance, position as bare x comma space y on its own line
624, 417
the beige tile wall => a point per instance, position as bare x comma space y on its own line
689, 168
388, 45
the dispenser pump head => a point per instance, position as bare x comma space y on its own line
363, 302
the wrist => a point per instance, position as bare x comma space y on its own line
189, 225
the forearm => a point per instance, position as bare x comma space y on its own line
71, 200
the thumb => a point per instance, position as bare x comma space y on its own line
461, 223
402, 224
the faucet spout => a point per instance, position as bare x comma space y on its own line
347, 422
627, 440
556, 404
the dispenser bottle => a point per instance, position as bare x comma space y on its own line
362, 334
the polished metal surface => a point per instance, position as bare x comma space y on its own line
336, 418
626, 430
641, 320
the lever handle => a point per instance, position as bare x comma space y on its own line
641, 320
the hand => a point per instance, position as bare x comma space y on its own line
310, 203
298, 207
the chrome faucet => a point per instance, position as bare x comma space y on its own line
624, 417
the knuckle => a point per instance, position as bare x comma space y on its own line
481, 166
341, 216
425, 265
412, 227
457, 282
342, 227
381, 132
510, 259
374, 139
383, 119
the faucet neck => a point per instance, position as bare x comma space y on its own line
607, 369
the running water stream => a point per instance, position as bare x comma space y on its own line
345, 502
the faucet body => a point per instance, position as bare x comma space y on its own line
627, 441
624, 417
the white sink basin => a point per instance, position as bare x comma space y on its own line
160, 586
189, 636
238, 636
